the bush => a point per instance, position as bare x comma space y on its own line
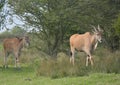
60, 67
109, 63
105, 62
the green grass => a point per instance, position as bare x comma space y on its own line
27, 76
106, 70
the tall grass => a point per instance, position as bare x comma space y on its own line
104, 61
60, 67
107, 61
44, 65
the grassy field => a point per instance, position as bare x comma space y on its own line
27, 76
106, 70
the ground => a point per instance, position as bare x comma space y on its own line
27, 76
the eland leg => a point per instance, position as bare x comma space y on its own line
5, 60
87, 59
91, 60
17, 64
72, 56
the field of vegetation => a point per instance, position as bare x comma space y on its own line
40, 69
49, 25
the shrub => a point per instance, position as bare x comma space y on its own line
60, 67
109, 63
105, 61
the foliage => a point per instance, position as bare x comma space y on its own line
15, 32
6, 15
116, 25
40, 65
18, 31
107, 62
54, 21
58, 69
51, 18
2, 3
116, 33
61, 67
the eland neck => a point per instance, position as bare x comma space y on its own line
94, 42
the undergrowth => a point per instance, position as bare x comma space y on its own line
61, 67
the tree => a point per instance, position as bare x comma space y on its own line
18, 31
14, 32
6, 14
116, 25
55, 20
2, 3
51, 18
116, 36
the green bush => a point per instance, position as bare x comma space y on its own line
61, 67
104, 61
107, 62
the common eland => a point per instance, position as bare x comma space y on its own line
14, 45
86, 42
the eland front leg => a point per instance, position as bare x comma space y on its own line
72, 56
17, 64
5, 59
89, 58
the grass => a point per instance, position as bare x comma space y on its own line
106, 70
27, 76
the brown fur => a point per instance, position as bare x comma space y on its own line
86, 42
14, 45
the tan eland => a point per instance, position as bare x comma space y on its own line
86, 42
14, 45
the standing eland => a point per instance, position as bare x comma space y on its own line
14, 45
86, 42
